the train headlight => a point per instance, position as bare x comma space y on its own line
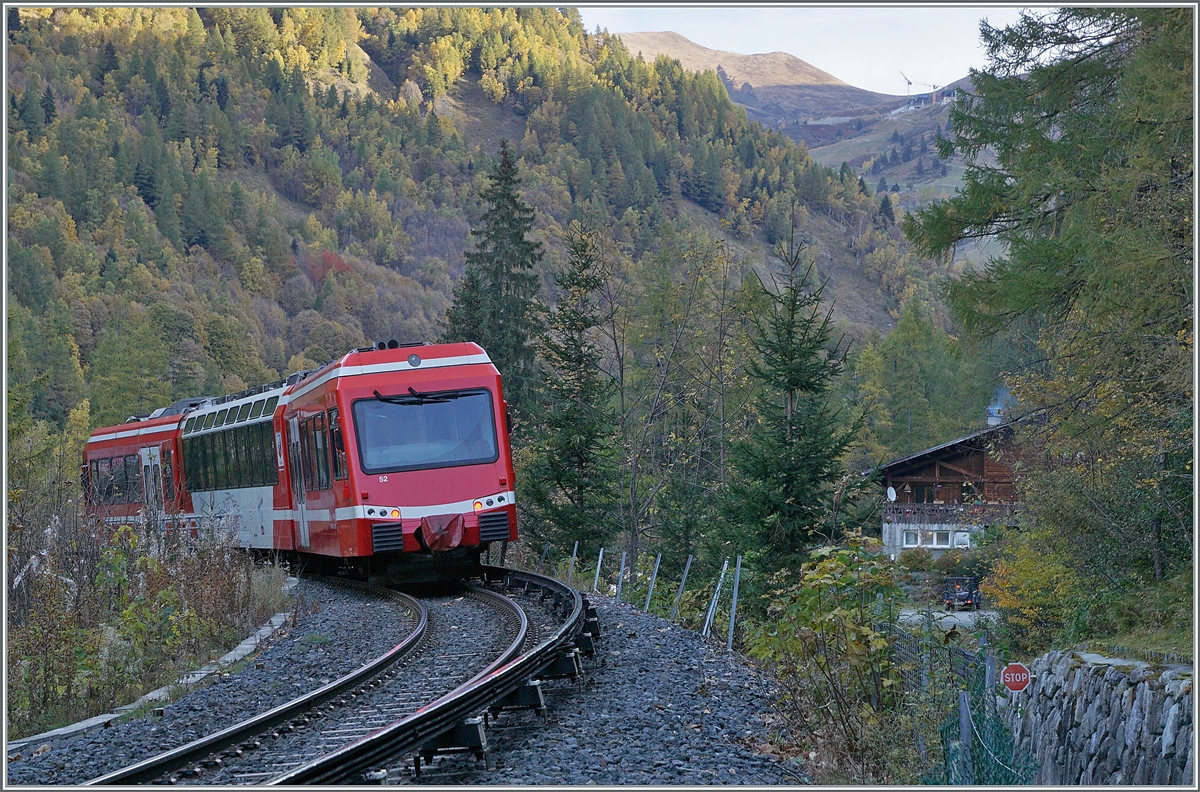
395, 513
477, 505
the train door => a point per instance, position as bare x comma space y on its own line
152, 482
299, 496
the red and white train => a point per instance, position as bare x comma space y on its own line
394, 459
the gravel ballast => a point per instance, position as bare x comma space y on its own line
336, 630
657, 706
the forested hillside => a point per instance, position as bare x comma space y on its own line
202, 201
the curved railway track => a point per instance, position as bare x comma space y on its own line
416, 699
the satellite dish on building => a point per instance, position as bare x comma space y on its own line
891, 493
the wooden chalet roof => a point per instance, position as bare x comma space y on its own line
943, 447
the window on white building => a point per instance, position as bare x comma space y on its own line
962, 539
911, 539
941, 538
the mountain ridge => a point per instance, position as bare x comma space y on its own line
773, 86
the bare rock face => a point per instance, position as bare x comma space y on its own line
1091, 719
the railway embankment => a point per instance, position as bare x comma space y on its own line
1092, 719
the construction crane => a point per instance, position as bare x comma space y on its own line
908, 87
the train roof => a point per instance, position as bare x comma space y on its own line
386, 356
404, 358
138, 428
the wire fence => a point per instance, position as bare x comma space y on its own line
706, 604
977, 746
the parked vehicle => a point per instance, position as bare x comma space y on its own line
961, 592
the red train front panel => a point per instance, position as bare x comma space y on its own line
399, 450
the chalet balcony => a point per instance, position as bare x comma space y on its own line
971, 514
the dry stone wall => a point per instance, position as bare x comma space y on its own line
1091, 719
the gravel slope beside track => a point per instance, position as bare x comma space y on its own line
665, 708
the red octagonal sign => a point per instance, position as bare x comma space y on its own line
1015, 676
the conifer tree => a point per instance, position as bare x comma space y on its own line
572, 480
885, 210
49, 107
496, 306
788, 481
31, 113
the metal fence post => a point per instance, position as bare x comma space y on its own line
989, 677
621, 576
653, 577
679, 595
599, 563
964, 737
737, 576
712, 606
571, 568
545, 552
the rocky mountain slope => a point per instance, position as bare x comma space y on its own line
774, 87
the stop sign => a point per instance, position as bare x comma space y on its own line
1015, 676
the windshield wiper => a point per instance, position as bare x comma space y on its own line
416, 397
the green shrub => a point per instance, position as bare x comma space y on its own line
842, 691
916, 559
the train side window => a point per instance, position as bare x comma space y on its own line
220, 421
248, 466
231, 457
133, 478
256, 410
210, 465
104, 481
270, 406
168, 474
270, 472
306, 467
251, 458
243, 412
214, 462
321, 447
208, 420
118, 481
237, 438
221, 445
187, 427
193, 464
337, 445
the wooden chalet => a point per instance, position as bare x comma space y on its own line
942, 497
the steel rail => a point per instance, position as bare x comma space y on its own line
152, 767
390, 743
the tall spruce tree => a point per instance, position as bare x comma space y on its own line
496, 304
570, 489
787, 479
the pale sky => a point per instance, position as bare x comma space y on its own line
867, 47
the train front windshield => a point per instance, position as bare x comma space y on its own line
417, 431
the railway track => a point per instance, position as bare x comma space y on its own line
423, 697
